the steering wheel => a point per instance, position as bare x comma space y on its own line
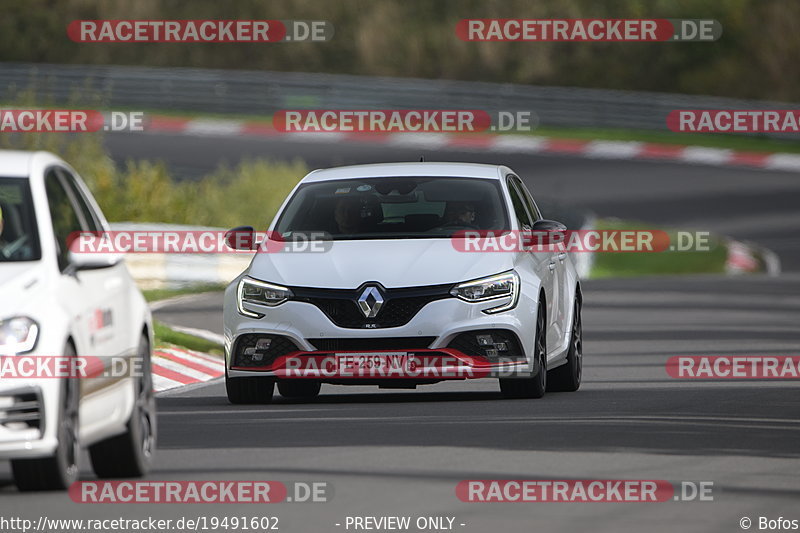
14, 246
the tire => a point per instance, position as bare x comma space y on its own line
131, 454
249, 390
535, 385
300, 388
60, 470
567, 378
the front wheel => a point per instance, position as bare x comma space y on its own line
536, 385
131, 454
59, 470
567, 378
249, 390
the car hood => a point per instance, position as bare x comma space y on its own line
392, 263
20, 285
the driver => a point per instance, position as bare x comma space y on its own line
3, 243
1, 226
348, 215
460, 214
11, 248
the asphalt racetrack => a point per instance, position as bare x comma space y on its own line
402, 453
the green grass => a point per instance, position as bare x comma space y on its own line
166, 337
619, 264
153, 295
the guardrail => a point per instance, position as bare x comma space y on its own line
263, 93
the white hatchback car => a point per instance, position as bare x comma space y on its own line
56, 303
392, 299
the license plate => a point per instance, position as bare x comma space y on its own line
360, 362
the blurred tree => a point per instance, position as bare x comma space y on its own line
756, 57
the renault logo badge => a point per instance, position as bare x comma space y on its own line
370, 302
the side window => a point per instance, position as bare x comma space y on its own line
65, 218
526, 195
90, 220
523, 219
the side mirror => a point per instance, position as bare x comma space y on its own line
545, 233
86, 252
242, 238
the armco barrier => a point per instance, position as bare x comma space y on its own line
263, 93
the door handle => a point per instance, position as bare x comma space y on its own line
552, 266
562, 256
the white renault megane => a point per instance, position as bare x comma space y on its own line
390, 296
55, 304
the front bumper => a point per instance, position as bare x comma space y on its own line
26, 430
441, 320
417, 365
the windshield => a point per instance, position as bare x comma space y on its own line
394, 208
19, 239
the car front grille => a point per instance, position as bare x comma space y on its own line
381, 343
399, 307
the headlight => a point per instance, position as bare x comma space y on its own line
257, 292
17, 335
504, 285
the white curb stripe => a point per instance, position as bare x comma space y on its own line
710, 156
181, 369
160, 383
212, 366
518, 143
419, 140
784, 162
204, 356
614, 149
213, 127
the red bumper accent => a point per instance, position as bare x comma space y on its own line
438, 364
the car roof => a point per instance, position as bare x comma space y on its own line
18, 163
390, 170
15, 163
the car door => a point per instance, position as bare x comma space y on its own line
561, 301
91, 296
541, 262
108, 330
